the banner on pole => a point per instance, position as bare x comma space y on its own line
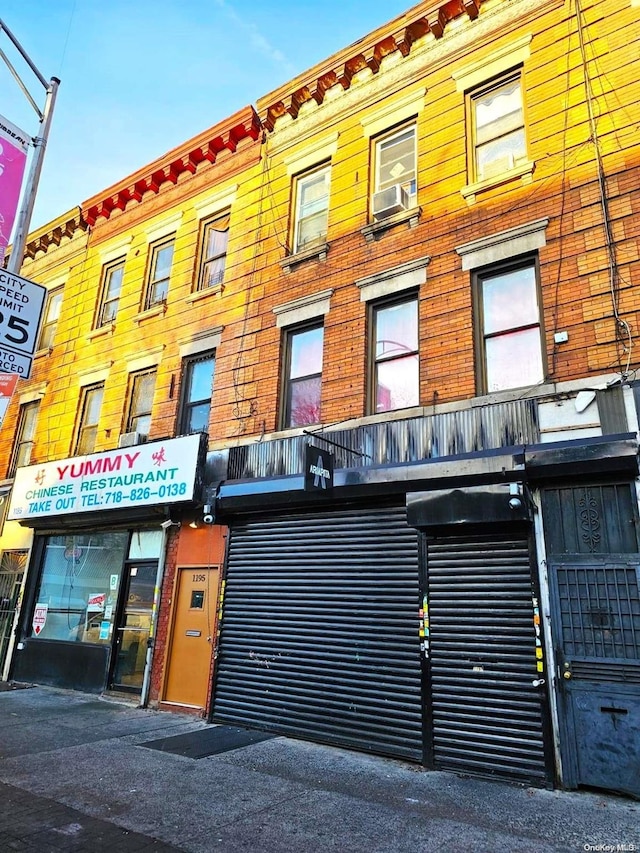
8, 383
14, 146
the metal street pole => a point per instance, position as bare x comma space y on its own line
29, 194
39, 143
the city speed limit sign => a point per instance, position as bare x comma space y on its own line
21, 304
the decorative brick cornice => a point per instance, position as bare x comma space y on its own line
396, 37
52, 234
205, 148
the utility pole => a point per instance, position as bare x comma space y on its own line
39, 142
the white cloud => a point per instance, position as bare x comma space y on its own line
256, 38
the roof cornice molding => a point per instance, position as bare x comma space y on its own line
205, 148
53, 233
364, 57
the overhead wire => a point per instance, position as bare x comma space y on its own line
623, 328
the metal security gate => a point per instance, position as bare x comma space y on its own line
319, 631
12, 567
485, 654
597, 613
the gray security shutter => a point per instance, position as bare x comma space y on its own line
486, 713
320, 631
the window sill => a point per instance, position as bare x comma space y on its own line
107, 329
39, 353
155, 311
197, 295
317, 252
524, 172
374, 230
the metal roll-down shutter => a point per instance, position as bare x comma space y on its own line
486, 712
319, 632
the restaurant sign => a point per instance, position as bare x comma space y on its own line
158, 473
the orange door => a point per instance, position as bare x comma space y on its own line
189, 663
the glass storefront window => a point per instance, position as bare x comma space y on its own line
78, 590
145, 545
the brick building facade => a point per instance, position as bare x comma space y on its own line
422, 435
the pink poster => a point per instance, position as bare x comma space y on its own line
14, 145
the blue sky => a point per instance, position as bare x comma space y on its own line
141, 76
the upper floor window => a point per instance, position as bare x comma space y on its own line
396, 375
303, 376
196, 399
50, 321
142, 389
90, 405
497, 127
25, 435
395, 172
311, 208
508, 326
110, 294
213, 252
159, 271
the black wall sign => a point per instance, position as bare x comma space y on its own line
318, 469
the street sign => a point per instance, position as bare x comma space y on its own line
21, 307
318, 469
39, 618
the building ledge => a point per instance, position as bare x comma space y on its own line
524, 171
197, 295
158, 310
107, 329
315, 253
374, 230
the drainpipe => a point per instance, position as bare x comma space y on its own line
146, 678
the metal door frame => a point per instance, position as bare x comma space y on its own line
123, 593
568, 742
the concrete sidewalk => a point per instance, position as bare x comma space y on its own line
76, 776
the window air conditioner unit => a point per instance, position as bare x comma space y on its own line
392, 200
129, 439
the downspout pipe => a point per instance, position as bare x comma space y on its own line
146, 678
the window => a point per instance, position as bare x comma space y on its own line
196, 401
303, 376
80, 573
111, 286
51, 316
510, 334
396, 378
497, 127
395, 187
91, 403
160, 260
142, 388
25, 435
311, 209
213, 255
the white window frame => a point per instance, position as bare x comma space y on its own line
108, 271
300, 218
384, 141
153, 281
49, 324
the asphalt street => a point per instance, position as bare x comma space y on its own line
83, 773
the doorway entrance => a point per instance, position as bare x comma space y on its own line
134, 626
597, 606
188, 670
12, 567
594, 579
